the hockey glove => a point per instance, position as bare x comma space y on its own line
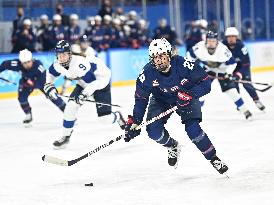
28, 83
236, 76
183, 99
81, 98
130, 129
51, 91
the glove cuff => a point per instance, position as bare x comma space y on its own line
132, 120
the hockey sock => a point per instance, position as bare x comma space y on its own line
237, 99
200, 138
161, 137
26, 107
70, 112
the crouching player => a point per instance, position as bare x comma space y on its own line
172, 80
33, 77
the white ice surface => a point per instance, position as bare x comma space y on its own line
137, 172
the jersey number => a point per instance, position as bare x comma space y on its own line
189, 63
82, 66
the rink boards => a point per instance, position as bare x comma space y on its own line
126, 64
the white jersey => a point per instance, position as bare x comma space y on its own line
91, 73
221, 61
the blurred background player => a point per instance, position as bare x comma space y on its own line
93, 78
24, 38
74, 30
56, 31
242, 71
219, 64
33, 77
172, 80
41, 33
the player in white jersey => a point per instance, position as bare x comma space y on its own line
93, 78
82, 48
219, 64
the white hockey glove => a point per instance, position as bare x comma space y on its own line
51, 91
81, 98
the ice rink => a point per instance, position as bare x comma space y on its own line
137, 172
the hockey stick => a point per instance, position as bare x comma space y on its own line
256, 83
269, 85
100, 103
8, 81
61, 162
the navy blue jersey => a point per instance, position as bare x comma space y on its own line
73, 34
36, 73
185, 74
240, 53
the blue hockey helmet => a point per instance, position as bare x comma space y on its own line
63, 46
211, 42
212, 35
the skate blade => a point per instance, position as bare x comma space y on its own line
250, 119
27, 125
59, 147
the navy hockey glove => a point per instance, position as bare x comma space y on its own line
51, 91
81, 98
130, 129
183, 99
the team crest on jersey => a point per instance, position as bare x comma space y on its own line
155, 83
184, 81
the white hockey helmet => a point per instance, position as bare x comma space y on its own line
203, 23
25, 56
74, 17
98, 18
159, 46
27, 22
57, 17
231, 31
44, 17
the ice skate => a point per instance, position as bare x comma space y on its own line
28, 119
248, 115
220, 166
174, 154
61, 143
259, 105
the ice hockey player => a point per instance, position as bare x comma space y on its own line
92, 77
219, 63
33, 77
172, 80
242, 71
84, 49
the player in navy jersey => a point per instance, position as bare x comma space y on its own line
172, 80
33, 76
242, 71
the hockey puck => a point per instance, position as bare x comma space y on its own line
89, 184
